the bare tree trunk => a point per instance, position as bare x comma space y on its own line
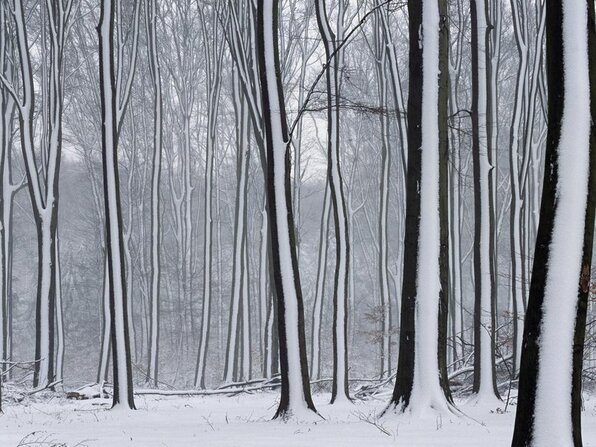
317, 313
334, 174
485, 385
59, 317
155, 69
295, 390
421, 384
554, 330
238, 305
213, 56
122, 370
381, 59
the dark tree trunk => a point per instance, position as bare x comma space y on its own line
444, 198
405, 365
120, 340
334, 176
295, 384
531, 361
482, 198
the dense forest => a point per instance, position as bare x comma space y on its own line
372, 200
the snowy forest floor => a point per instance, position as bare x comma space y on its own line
244, 420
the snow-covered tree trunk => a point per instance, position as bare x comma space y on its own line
317, 312
122, 368
213, 57
484, 312
395, 86
515, 152
549, 401
43, 174
295, 391
246, 357
7, 107
418, 386
155, 70
59, 317
106, 325
265, 296
334, 174
7, 191
238, 310
381, 49
455, 190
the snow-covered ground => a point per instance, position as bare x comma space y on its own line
245, 421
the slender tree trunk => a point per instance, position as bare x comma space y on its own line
7, 106
106, 325
516, 147
155, 69
42, 180
214, 60
59, 317
485, 385
121, 361
317, 313
381, 56
295, 390
238, 264
334, 174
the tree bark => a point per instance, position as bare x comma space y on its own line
295, 391
551, 361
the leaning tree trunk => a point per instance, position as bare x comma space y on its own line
295, 387
121, 361
549, 401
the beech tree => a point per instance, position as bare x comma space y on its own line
554, 330
213, 49
120, 340
295, 391
155, 70
420, 383
42, 178
336, 187
7, 192
484, 279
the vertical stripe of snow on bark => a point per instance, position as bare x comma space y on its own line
296, 397
426, 390
552, 423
